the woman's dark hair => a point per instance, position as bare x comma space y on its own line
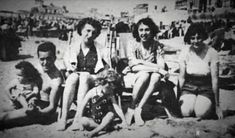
30, 72
146, 21
47, 46
96, 24
195, 28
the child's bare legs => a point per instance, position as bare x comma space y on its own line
139, 86
154, 80
97, 127
84, 86
68, 96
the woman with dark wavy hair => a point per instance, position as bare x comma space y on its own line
83, 61
26, 86
146, 65
198, 79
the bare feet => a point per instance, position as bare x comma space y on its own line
76, 125
129, 115
61, 125
138, 120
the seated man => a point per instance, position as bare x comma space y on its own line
43, 107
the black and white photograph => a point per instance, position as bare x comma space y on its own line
117, 68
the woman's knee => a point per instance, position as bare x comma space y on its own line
85, 77
143, 76
186, 112
72, 79
203, 107
187, 106
155, 77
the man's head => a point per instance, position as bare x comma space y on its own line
46, 55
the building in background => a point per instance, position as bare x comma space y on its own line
140, 9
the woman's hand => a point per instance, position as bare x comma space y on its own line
150, 58
219, 112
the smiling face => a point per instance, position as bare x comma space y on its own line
20, 75
144, 32
196, 41
46, 59
88, 34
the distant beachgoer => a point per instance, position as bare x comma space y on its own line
222, 38
99, 106
44, 106
198, 79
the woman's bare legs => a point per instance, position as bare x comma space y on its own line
140, 86
202, 107
84, 85
188, 102
68, 96
153, 83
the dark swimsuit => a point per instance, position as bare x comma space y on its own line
97, 107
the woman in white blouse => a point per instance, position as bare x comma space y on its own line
147, 64
198, 79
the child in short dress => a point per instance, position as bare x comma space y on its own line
24, 89
99, 105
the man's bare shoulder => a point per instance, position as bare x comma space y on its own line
57, 77
54, 77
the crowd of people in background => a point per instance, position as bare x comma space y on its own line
92, 85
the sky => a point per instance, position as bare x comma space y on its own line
103, 6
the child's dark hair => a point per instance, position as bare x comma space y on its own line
30, 72
47, 46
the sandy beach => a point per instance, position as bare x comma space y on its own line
154, 128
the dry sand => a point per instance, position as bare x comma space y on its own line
163, 128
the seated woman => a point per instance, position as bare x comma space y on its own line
198, 79
83, 59
146, 62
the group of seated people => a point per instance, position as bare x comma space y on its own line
33, 96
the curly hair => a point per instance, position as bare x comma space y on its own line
195, 28
146, 21
29, 72
96, 24
109, 75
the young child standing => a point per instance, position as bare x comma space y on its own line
99, 105
24, 89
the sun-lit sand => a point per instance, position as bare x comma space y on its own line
176, 128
